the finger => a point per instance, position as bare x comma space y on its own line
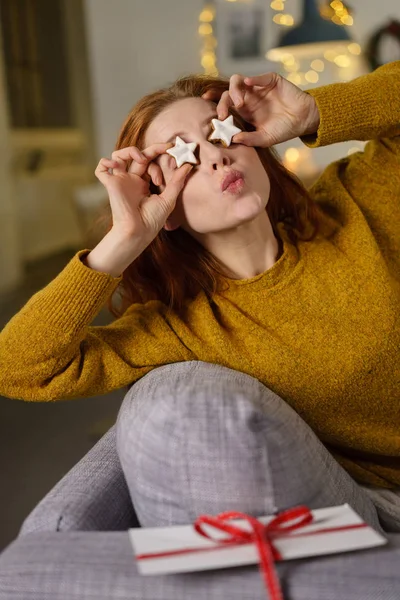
236, 90
212, 95
265, 80
124, 156
102, 171
150, 154
129, 153
176, 183
252, 138
120, 167
224, 105
155, 173
105, 164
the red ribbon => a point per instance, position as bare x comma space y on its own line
263, 535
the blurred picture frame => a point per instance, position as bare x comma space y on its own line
244, 33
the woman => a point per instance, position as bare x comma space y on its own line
297, 289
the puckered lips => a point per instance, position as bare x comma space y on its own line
231, 178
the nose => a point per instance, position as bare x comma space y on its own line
214, 156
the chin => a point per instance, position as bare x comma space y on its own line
250, 205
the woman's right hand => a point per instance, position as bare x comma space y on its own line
136, 212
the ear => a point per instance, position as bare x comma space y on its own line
171, 225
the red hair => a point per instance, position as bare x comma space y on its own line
175, 267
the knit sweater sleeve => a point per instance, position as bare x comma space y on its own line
366, 108
368, 181
49, 351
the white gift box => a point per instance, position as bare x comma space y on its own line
207, 553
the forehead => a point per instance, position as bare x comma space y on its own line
182, 115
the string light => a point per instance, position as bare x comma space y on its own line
299, 160
309, 64
277, 5
285, 20
337, 12
282, 19
339, 54
206, 31
354, 48
318, 65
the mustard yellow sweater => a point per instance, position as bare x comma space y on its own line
321, 328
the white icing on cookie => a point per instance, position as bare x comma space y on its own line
224, 130
183, 152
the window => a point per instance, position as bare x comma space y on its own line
36, 69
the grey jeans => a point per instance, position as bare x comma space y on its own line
199, 438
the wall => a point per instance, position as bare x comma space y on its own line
136, 46
369, 15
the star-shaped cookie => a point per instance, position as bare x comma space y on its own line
224, 130
183, 152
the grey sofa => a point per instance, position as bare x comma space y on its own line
93, 496
74, 544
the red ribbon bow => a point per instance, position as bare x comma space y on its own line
262, 535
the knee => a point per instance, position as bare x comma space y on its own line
186, 408
198, 437
193, 393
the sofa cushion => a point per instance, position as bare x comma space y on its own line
79, 565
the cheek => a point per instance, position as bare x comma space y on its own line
262, 175
256, 167
190, 190
193, 191
262, 182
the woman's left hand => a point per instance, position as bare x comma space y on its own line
277, 108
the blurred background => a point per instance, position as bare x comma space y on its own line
70, 70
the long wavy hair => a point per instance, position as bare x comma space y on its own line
175, 267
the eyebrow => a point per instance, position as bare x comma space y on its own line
213, 116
